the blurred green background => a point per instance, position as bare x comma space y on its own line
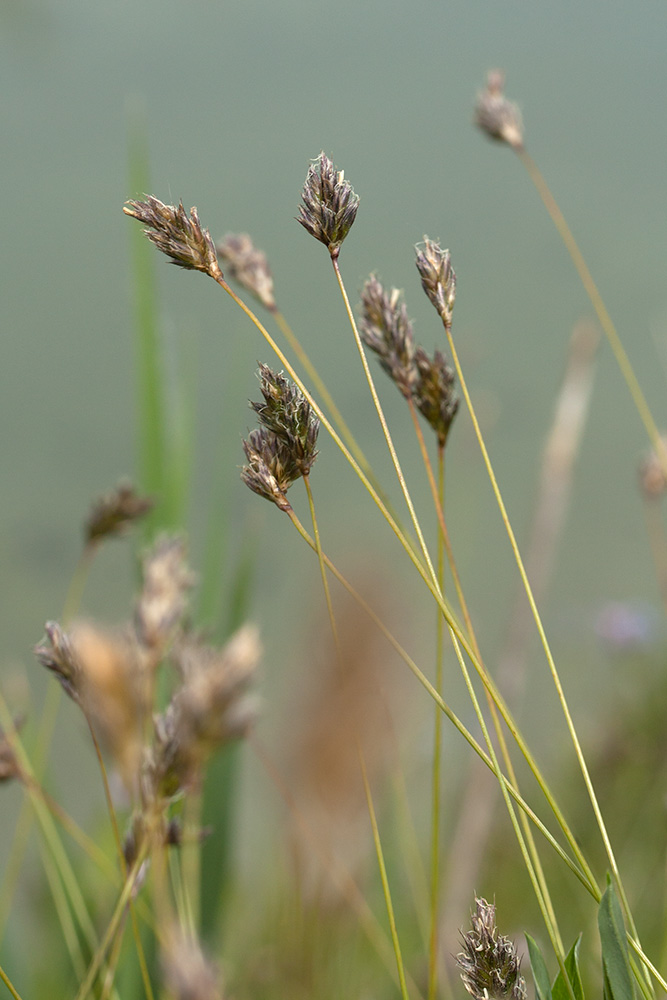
236, 98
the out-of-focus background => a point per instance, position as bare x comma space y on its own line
237, 96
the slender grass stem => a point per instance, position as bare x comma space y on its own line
597, 302
191, 855
385, 883
582, 873
385, 427
537, 882
50, 834
112, 927
438, 498
542, 634
9, 984
349, 889
436, 775
450, 618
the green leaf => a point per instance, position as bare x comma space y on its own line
539, 970
615, 954
560, 989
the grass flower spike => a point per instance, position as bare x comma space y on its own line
489, 964
438, 278
434, 392
248, 266
329, 204
495, 115
114, 512
176, 234
386, 329
282, 449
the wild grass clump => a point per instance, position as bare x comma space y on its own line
162, 912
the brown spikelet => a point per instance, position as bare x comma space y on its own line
177, 235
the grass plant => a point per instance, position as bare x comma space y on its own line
155, 908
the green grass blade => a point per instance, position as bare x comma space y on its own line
562, 990
615, 954
151, 445
539, 970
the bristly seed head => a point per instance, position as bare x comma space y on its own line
113, 513
282, 449
489, 964
175, 234
495, 115
386, 330
248, 266
434, 393
329, 204
438, 278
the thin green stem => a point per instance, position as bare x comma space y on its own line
450, 618
114, 923
597, 302
537, 883
385, 883
9, 984
540, 629
437, 745
384, 425
581, 873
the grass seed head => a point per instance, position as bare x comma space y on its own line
9, 765
163, 601
115, 512
438, 278
386, 330
248, 266
495, 115
489, 964
329, 204
434, 392
176, 234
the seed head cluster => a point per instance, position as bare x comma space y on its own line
387, 331
111, 676
329, 204
176, 234
282, 449
489, 965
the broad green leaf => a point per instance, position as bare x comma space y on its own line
539, 970
560, 990
615, 955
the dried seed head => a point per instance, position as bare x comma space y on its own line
248, 266
211, 707
489, 964
114, 512
495, 115
57, 654
103, 673
434, 392
163, 600
288, 414
188, 975
282, 448
329, 204
175, 234
386, 329
438, 278
269, 466
652, 481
